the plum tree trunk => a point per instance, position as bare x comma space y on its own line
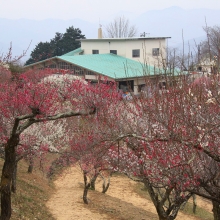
85, 192
14, 178
171, 211
6, 178
194, 203
216, 210
31, 165
86, 188
93, 180
105, 186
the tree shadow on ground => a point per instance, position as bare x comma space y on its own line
117, 209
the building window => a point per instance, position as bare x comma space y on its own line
155, 51
136, 53
141, 87
162, 85
113, 51
199, 68
95, 51
126, 86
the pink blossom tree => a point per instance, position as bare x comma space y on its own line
90, 143
174, 133
28, 100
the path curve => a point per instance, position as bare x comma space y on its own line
67, 204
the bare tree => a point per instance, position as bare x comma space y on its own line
120, 27
210, 48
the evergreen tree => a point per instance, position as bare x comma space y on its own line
59, 45
42, 51
69, 39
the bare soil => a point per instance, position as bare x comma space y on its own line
120, 202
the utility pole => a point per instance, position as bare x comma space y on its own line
144, 34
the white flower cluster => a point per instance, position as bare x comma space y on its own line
211, 101
4, 65
62, 79
209, 94
190, 92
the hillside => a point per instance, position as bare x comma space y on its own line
37, 198
33, 191
124, 200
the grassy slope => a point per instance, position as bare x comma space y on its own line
33, 191
32, 194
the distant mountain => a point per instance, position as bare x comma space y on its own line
23, 32
174, 21
169, 22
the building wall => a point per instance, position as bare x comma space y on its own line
124, 48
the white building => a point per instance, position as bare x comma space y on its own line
128, 61
144, 49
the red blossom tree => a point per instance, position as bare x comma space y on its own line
175, 137
90, 143
28, 100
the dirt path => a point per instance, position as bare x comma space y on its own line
120, 202
67, 203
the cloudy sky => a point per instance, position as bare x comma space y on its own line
91, 10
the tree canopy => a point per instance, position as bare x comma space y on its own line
59, 45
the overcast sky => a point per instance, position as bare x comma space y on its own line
91, 10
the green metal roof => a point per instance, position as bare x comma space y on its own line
73, 52
111, 65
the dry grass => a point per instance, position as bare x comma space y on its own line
33, 190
